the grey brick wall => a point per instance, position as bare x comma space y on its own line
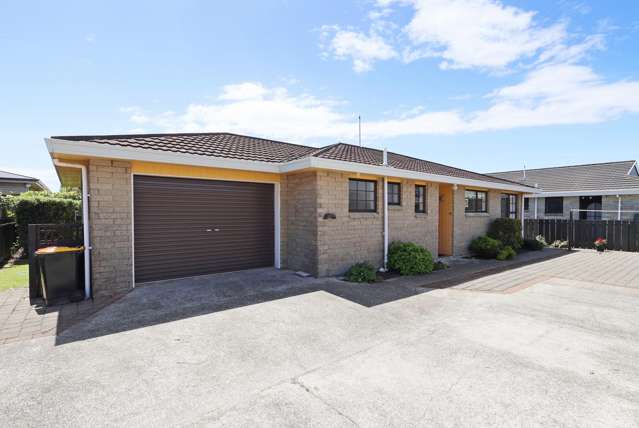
110, 226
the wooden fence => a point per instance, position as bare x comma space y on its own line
621, 234
7, 239
48, 235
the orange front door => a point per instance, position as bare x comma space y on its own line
445, 220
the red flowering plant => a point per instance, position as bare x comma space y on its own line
600, 243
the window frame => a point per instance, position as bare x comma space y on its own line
526, 204
546, 205
468, 209
424, 189
513, 205
355, 210
399, 194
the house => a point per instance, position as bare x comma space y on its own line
598, 191
178, 205
13, 184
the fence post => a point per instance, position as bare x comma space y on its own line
570, 229
34, 274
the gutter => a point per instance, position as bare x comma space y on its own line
85, 224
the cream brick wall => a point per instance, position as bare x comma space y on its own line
350, 237
468, 226
300, 207
404, 224
357, 237
110, 226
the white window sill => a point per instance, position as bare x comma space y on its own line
477, 214
363, 215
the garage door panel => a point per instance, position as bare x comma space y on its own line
172, 216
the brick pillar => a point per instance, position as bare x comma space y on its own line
110, 223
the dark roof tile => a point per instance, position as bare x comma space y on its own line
575, 178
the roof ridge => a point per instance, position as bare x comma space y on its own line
562, 166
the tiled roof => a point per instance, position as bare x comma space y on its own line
235, 146
366, 155
222, 145
5, 175
575, 178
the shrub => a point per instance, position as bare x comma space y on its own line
408, 258
361, 272
534, 244
506, 253
440, 266
42, 207
485, 247
508, 231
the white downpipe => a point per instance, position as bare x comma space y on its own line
85, 224
521, 209
536, 208
385, 163
618, 207
385, 223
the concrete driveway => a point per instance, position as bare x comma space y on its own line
560, 352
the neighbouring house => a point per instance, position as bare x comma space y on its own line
599, 191
178, 205
14, 184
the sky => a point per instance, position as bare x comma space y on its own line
484, 85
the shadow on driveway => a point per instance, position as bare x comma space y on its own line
171, 300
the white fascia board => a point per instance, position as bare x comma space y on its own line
89, 149
382, 170
634, 165
612, 192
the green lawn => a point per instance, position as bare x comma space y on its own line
15, 276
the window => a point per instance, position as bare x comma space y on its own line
508, 206
394, 194
362, 196
554, 206
527, 204
420, 199
476, 201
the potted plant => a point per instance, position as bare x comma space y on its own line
600, 244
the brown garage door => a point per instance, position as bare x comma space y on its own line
186, 227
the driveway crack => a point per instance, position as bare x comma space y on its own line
298, 382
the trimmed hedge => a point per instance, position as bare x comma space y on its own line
485, 247
42, 207
507, 231
408, 258
361, 272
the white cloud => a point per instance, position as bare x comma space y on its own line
483, 34
364, 50
478, 33
555, 94
243, 91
